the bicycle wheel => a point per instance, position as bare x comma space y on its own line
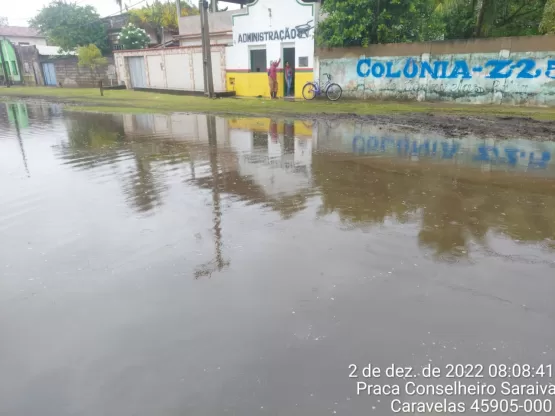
334, 92
309, 91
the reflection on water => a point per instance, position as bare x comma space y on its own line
457, 190
326, 244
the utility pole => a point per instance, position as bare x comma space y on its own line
207, 56
5, 66
178, 8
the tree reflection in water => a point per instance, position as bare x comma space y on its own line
453, 212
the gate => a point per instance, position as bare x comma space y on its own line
137, 73
49, 74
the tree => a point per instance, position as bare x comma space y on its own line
490, 18
363, 22
69, 26
160, 16
547, 24
90, 57
132, 37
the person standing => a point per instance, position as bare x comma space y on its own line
272, 78
288, 78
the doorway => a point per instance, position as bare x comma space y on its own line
49, 72
289, 56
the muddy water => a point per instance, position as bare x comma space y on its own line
194, 265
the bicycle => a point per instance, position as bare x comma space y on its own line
332, 90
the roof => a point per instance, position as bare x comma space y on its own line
20, 31
51, 50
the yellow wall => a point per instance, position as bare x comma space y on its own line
254, 84
302, 78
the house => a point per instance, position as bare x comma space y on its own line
243, 42
21, 35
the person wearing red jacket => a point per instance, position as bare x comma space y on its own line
272, 78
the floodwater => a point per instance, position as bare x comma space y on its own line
196, 265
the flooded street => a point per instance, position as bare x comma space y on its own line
196, 265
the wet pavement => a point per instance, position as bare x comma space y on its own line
196, 265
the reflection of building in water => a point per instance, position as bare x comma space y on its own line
274, 156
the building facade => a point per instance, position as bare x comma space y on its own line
243, 44
21, 35
269, 30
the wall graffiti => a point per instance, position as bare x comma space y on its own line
511, 155
524, 68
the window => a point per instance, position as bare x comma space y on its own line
258, 60
14, 68
303, 61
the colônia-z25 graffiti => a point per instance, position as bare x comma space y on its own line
498, 69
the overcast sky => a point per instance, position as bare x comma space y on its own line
20, 11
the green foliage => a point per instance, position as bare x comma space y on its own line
132, 37
160, 15
69, 26
90, 57
492, 18
363, 22
547, 25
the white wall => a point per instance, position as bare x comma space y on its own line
31, 41
156, 71
271, 16
175, 68
179, 74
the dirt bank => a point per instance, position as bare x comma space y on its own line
458, 125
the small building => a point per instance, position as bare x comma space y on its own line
243, 42
268, 30
21, 35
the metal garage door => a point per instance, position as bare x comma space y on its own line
137, 71
49, 74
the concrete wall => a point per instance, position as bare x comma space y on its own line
518, 71
175, 68
217, 22
30, 65
70, 74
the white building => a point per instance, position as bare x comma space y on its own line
243, 43
21, 35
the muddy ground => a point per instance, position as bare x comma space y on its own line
458, 125
452, 125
